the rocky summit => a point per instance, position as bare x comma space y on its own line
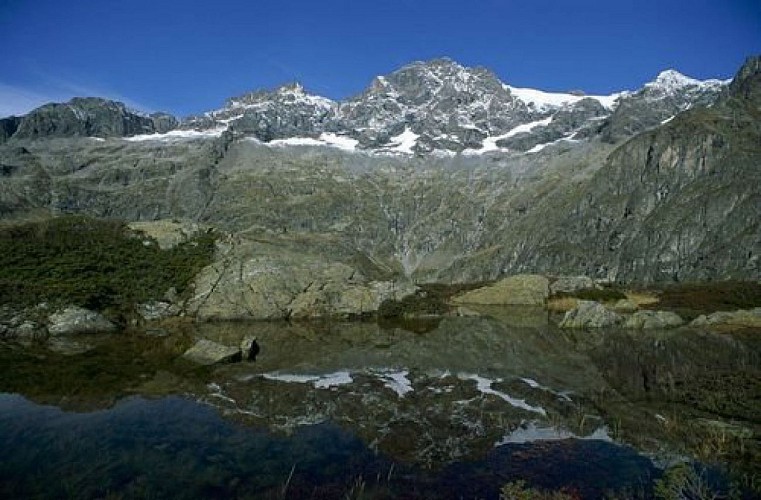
435, 173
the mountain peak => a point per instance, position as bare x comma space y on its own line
293, 92
672, 78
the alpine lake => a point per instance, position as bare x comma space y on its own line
500, 404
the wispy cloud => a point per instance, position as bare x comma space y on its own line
75, 88
19, 100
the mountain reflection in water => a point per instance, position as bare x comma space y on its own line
329, 410
172, 447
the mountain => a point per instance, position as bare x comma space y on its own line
85, 117
433, 107
442, 107
435, 173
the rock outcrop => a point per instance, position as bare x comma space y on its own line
158, 309
254, 281
590, 314
743, 318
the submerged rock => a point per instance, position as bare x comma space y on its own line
206, 352
590, 314
643, 320
75, 319
521, 289
67, 346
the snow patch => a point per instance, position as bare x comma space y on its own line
397, 381
178, 135
536, 385
297, 141
326, 139
529, 433
540, 147
490, 143
339, 141
403, 143
323, 381
484, 385
548, 100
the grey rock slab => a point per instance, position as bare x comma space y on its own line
590, 314
73, 320
207, 352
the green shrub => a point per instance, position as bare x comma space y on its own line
691, 299
517, 490
93, 263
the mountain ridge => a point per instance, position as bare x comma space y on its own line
437, 106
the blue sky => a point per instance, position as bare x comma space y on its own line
188, 56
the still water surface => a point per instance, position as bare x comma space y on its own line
356, 410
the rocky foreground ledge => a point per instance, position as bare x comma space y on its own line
244, 283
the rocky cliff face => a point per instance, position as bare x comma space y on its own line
606, 187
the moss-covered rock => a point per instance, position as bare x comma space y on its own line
642, 320
521, 289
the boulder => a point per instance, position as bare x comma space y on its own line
206, 352
742, 318
249, 347
645, 320
155, 310
521, 289
75, 319
590, 314
570, 284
